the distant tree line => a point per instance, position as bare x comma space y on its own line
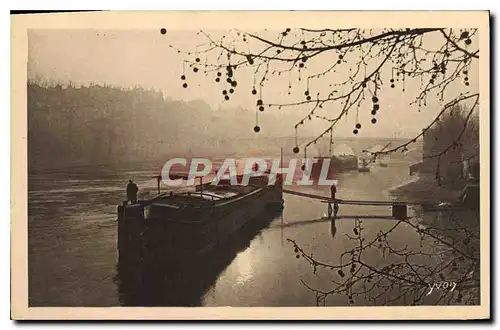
93, 124
441, 60
451, 147
99, 124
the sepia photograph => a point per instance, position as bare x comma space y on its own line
267, 165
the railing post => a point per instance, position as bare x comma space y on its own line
399, 211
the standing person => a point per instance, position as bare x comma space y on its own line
333, 191
132, 190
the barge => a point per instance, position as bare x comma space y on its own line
174, 227
341, 160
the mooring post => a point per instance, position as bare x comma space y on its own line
399, 210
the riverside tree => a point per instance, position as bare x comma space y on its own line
337, 72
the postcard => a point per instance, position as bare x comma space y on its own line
250, 165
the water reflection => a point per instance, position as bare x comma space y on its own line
333, 228
72, 245
155, 285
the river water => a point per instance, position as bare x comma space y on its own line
72, 241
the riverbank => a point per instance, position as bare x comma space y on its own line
459, 227
423, 189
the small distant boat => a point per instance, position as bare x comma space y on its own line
382, 158
337, 165
342, 159
437, 206
364, 167
345, 162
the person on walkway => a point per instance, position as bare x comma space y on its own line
132, 190
333, 191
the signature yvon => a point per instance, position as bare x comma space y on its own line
442, 286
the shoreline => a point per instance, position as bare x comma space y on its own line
413, 178
423, 189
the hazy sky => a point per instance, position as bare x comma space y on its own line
144, 57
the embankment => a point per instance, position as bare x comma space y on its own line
423, 189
